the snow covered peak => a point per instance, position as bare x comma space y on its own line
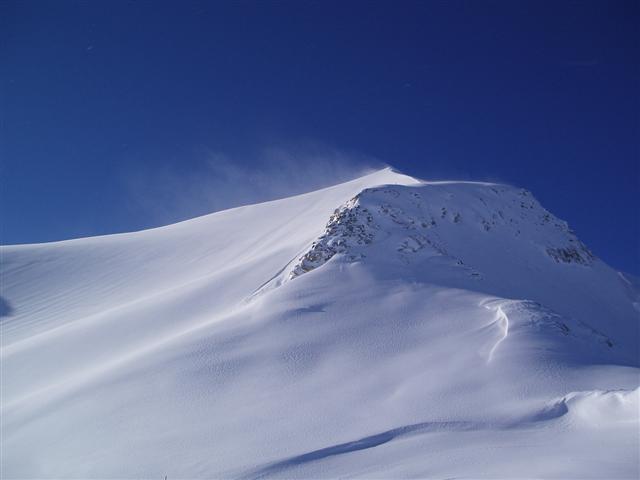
386, 324
448, 220
483, 237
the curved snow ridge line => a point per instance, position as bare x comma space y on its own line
501, 321
370, 441
512, 315
599, 408
546, 414
604, 408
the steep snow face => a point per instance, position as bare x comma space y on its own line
385, 327
484, 237
52, 285
413, 215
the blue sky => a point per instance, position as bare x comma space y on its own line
118, 116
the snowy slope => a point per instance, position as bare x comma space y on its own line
381, 328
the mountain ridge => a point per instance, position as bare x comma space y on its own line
209, 348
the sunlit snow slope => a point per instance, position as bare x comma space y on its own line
381, 328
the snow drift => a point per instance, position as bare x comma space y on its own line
385, 327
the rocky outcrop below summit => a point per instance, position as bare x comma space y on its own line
425, 220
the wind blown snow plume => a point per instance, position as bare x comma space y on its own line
385, 327
168, 194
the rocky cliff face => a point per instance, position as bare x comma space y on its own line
431, 220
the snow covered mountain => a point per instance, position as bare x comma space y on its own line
382, 328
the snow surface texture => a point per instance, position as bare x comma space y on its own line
381, 328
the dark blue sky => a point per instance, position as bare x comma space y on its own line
110, 107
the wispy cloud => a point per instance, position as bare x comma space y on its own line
213, 181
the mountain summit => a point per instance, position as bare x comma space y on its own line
386, 327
